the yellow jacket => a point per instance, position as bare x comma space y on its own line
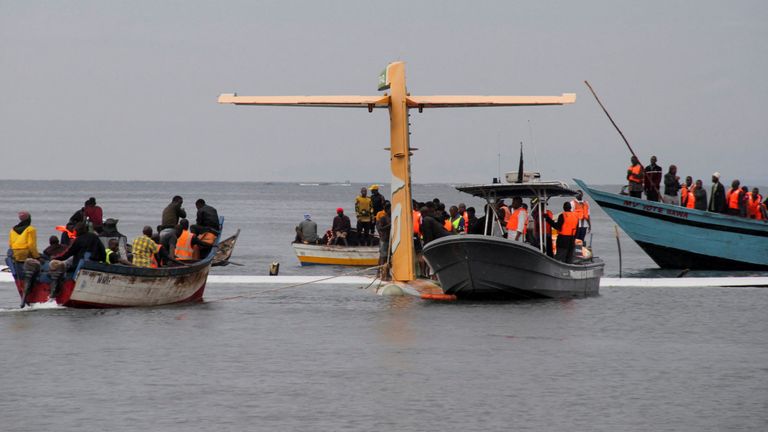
24, 245
363, 209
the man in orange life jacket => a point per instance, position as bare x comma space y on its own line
566, 225
581, 208
733, 198
754, 201
516, 224
684, 190
635, 178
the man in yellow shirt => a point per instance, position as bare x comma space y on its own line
23, 239
144, 248
363, 211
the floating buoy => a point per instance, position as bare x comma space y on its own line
391, 290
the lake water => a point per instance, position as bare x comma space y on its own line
325, 357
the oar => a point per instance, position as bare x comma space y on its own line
622, 137
618, 243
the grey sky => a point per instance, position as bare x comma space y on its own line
127, 90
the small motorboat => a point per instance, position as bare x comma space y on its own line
489, 266
309, 254
98, 285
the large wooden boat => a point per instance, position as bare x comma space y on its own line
489, 266
682, 238
309, 254
99, 285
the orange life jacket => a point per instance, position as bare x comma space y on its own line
690, 200
513, 219
153, 259
753, 206
466, 222
570, 223
184, 250
417, 222
684, 196
448, 225
634, 173
70, 234
733, 198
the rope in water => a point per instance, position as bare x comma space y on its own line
244, 296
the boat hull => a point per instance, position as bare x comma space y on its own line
484, 267
307, 254
681, 238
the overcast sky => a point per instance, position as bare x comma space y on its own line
127, 90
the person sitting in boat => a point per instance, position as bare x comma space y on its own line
112, 253
652, 180
566, 225
54, 248
144, 248
173, 212
86, 242
93, 214
187, 244
22, 239
306, 231
517, 224
207, 216
340, 227
167, 238
581, 207
717, 203
635, 176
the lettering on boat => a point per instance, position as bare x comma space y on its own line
582, 274
678, 213
104, 279
656, 209
631, 204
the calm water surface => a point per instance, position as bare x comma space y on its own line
340, 358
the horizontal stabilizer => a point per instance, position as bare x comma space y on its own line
487, 101
377, 101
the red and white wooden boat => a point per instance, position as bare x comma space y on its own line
99, 285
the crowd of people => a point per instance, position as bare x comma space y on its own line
738, 200
87, 236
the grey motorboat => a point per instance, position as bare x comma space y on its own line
490, 266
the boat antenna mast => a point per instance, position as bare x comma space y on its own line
520, 166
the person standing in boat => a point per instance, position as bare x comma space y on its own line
377, 200
566, 225
472, 222
671, 186
340, 227
717, 202
581, 207
733, 199
431, 228
518, 221
698, 196
685, 189
456, 220
652, 180
635, 178
363, 213
537, 228
754, 201
172, 213
383, 227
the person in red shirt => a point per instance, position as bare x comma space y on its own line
93, 214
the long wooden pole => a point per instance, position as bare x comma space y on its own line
658, 192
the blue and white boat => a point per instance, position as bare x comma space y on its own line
682, 238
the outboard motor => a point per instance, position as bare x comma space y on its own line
31, 270
55, 272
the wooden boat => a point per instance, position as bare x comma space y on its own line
99, 285
224, 251
486, 266
681, 238
309, 254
